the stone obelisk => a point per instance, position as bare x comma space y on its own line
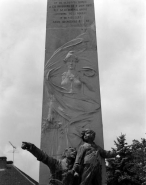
71, 94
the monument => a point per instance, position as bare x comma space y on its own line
71, 94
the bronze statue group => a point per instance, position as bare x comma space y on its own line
82, 167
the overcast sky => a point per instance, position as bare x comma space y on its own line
121, 44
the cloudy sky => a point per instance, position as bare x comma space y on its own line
121, 44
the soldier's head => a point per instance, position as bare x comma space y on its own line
70, 153
88, 135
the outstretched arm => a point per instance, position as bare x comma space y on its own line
40, 155
107, 154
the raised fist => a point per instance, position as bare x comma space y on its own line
26, 146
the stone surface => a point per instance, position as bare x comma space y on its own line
71, 98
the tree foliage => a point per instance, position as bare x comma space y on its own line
129, 167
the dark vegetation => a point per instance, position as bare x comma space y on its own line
129, 168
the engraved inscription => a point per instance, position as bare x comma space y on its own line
70, 13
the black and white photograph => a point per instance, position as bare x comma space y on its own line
72, 92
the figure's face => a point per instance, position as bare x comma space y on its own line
71, 63
88, 136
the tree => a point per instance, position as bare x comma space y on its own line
121, 170
139, 154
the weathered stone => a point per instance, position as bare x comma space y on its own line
71, 98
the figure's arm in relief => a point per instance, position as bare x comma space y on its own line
63, 78
86, 82
39, 154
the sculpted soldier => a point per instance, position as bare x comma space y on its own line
61, 173
88, 160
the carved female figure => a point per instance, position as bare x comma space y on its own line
70, 79
73, 80
72, 106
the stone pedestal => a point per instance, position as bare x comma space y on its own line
71, 98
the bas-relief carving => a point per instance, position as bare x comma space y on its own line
72, 91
